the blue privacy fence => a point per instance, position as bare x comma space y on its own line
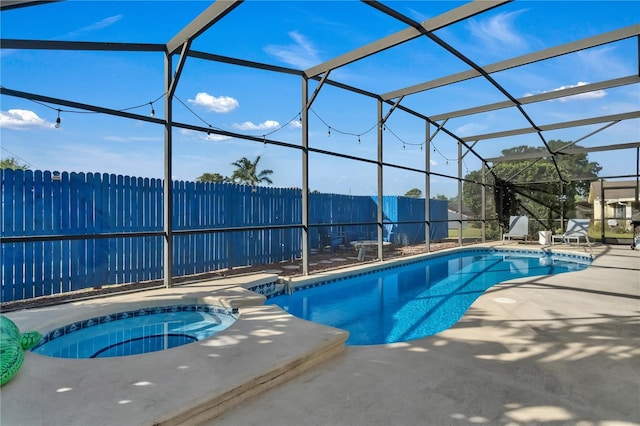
69, 231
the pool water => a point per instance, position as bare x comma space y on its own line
420, 299
135, 332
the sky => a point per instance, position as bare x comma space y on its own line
259, 103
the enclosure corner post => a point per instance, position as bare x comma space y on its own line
460, 223
305, 175
483, 200
380, 182
168, 183
427, 187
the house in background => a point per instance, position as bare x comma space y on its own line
454, 217
620, 201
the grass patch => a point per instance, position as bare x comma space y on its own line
466, 233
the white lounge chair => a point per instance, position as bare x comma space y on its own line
518, 228
576, 229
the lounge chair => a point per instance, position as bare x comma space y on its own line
576, 229
518, 228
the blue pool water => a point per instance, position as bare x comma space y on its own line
135, 332
420, 299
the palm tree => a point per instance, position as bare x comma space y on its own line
247, 172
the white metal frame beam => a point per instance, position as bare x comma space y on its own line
203, 22
555, 126
463, 12
568, 151
556, 94
541, 55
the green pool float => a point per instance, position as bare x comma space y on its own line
12, 347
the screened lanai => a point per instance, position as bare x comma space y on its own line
424, 121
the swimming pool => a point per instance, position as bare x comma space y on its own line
135, 332
418, 299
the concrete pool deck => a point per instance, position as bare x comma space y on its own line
560, 349
182, 385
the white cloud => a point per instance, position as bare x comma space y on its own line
217, 138
222, 104
470, 129
498, 29
248, 125
21, 119
301, 54
103, 24
596, 94
417, 15
114, 138
295, 124
96, 26
603, 62
192, 134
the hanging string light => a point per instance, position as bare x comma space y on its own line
404, 143
444, 157
58, 121
210, 128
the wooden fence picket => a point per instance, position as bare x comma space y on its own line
74, 205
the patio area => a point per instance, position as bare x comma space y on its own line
560, 349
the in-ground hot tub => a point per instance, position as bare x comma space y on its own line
135, 332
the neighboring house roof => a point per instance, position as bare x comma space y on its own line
454, 215
453, 207
614, 190
583, 209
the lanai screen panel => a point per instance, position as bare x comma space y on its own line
311, 37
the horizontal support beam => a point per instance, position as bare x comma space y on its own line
610, 37
78, 105
76, 237
556, 126
242, 62
80, 45
555, 94
15, 4
463, 12
568, 151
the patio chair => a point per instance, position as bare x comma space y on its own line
518, 228
576, 229
329, 240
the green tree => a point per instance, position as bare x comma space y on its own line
532, 187
13, 164
413, 193
212, 177
247, 173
